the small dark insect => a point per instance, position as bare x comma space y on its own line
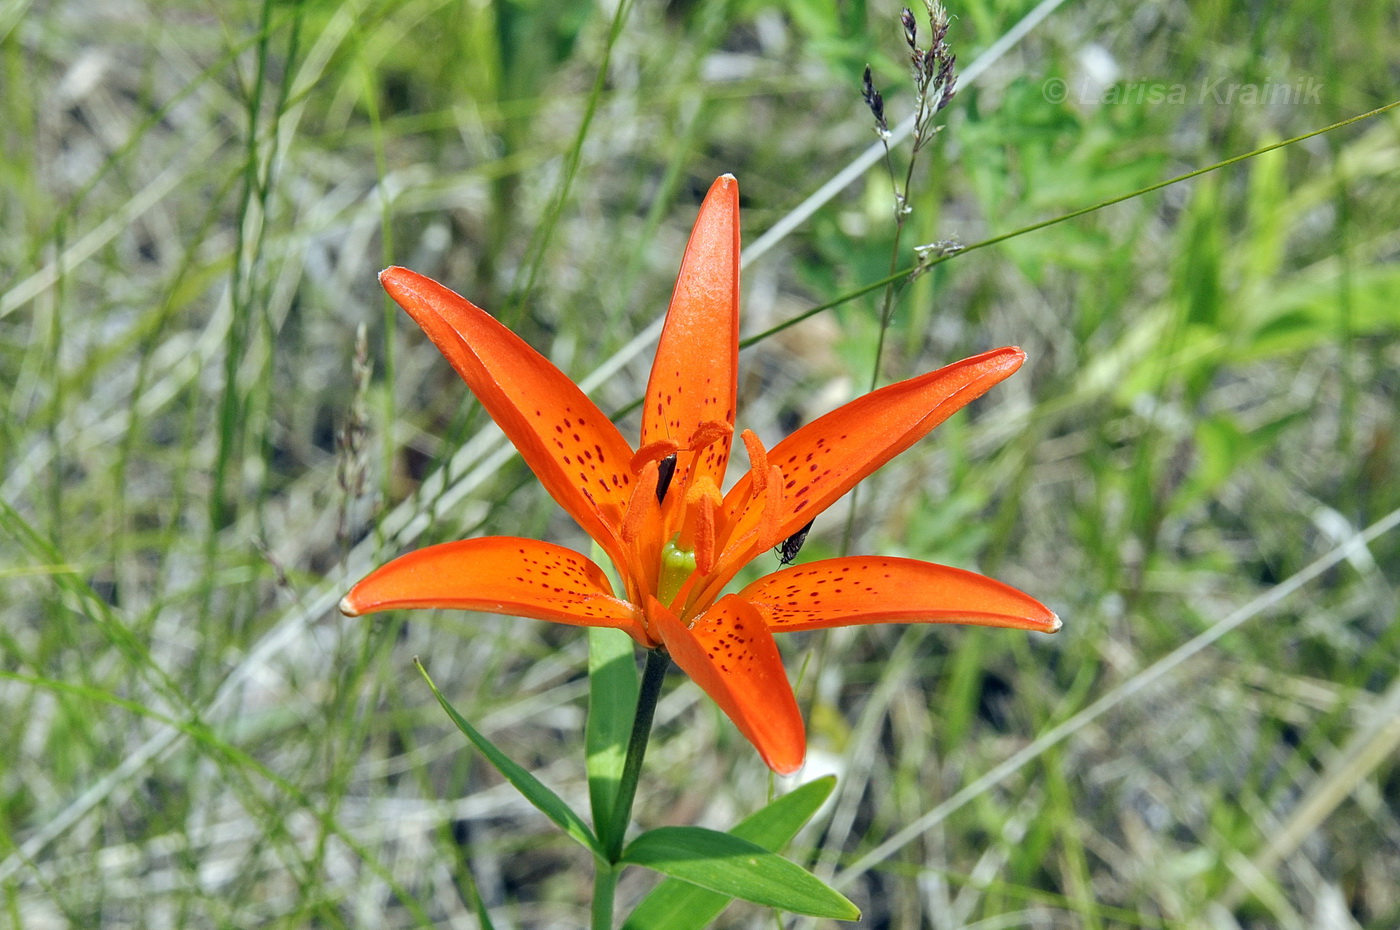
787, 550
666, 470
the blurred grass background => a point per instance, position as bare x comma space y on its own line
197, 458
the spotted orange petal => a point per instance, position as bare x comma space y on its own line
875, 589
575, 451
732, 657
829, 456
693, 379
498, 574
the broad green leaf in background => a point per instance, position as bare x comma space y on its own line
1307, 310
1222, 448
737, 868
679, 905
612, 703
548, 803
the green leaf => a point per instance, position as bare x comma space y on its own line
1266, 243
1308, 309
483, 916
534, 790
612, 703
679, 905
737, 868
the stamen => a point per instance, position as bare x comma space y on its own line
634, 518
772, 509
758, 461
705, 536
702, 503
742, 545
652, 452
707, 432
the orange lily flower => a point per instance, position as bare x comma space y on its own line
659, 513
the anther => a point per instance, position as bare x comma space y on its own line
772, 508
652, 452
707, 432
758, 462
634, 517
702, 503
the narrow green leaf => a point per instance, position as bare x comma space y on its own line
483, 916
1266, 242
737, 868
534, 790
612, 703
679, 905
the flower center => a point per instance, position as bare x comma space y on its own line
677, 565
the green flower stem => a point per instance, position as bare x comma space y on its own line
604, 885
652, 676
606, 870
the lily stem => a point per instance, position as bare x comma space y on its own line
652, 676
604, 888
606, 870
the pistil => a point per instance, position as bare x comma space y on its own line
677, 565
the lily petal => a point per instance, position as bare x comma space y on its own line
694, 377
874, 589
575, 451
732, 657
498, 574
832, 454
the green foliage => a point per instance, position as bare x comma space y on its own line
534, 790
612, 699
195, 205
679, 905
737, 868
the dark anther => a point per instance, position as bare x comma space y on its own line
787, 550
665, 471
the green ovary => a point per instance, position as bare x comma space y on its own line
676, 566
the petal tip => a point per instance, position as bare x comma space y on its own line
405, 284
1004, 362
1055, 623
785, 767
727, 185
347, 607
394, 274
785, 757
